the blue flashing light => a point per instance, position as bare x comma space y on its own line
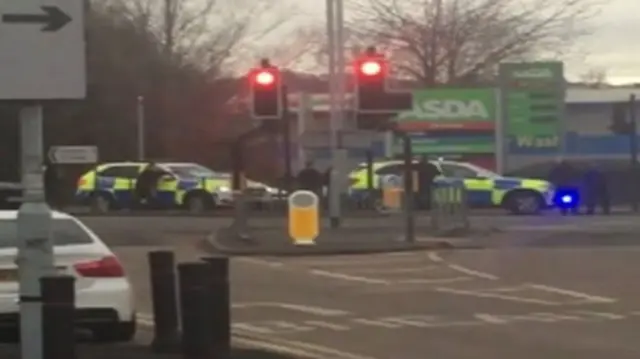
567, 199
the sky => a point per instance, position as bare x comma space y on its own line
614, 45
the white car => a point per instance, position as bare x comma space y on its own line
104, 295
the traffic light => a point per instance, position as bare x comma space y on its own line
619, 123
372, 97
266, 91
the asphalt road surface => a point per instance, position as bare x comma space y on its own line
578, 301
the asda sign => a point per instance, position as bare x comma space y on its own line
445, 105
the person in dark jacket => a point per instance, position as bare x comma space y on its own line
564, 177
427, 172
596, 191
147, 183
52, 185
311, 179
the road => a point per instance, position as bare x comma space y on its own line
505, 302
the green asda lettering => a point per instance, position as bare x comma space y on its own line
453, 109
537, 142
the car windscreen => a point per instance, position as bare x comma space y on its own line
65, 232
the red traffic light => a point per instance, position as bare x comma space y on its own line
264, 78
371, 68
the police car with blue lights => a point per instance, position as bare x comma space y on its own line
484, 188
188, 186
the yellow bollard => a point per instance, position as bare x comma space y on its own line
304, 217
392, 193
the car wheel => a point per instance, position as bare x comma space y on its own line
197, 203
100, 203
114, 332
525, 202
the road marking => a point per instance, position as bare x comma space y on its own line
433, 281
394, 270
434, 257
327, 325
349, 278
495, 295
313, 349
360, 261
260, 262
586, 297
308, 309
472, 272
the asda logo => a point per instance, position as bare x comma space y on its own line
540, 73
453, 109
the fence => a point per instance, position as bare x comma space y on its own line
449, 209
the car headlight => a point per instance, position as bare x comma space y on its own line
223, 189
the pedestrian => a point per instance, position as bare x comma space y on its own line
310, 179
147, 184
564, 177
52, 185
427, 172
596, 191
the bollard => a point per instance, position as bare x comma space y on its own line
194, 310
219, 306
58, 323
164, 301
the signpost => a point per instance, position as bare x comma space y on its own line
304, 217
42, 57
71, 155
532, 107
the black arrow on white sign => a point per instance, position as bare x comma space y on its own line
53, 19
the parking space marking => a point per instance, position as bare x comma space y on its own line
308, 309
394, 270
433, 281
588, 298
351, 278
260, 262
489, 294
472, 272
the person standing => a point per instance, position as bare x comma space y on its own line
596, 190
147, 184
311, 179
427, 172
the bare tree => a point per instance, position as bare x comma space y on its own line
595, 77
461, 41
208, 34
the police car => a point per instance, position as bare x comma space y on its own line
187, 185
484, 188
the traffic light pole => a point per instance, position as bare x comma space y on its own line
335, 46
633, 147
286, 138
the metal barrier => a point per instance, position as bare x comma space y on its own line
449, 209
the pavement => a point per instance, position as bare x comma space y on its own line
549, 287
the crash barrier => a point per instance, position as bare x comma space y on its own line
203, 293
449, 209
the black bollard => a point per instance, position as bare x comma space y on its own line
219, 306
194, 310
164, 299
58, 323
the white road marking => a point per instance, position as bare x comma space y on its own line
313, 349
586, 297
495, 295
350, 278
433, 281
472, 272
308, 309
434, 257
327, 325
260, 262
394, 270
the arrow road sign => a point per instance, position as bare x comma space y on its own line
42, 50
52, 20
73, 154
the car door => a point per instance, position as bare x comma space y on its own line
120, 181
479, 189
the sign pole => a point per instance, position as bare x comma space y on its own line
35, 247
140, 127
